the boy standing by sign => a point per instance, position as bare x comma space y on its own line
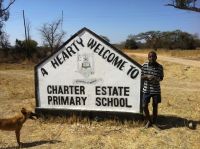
152, 74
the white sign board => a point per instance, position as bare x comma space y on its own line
88, 74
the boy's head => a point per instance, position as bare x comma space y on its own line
152, 57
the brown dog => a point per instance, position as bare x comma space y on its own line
16, 123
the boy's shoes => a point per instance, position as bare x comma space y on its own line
148, 124
156, 127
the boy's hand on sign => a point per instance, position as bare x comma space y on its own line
150, 77
147, 77
154, 79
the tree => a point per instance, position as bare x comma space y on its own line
130, 43
4, 13
185, 5
20, 47
52, 35
197, 40
169, 40
152, 38
178, 40
185, 41
28, 42
4, 41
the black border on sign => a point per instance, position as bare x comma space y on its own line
71, 38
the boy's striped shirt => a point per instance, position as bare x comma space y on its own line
156, 70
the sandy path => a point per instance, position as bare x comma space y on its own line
186, 62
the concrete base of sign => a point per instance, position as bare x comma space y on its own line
96, 115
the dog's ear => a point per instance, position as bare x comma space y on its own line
24, 111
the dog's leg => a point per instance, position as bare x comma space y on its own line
17, 132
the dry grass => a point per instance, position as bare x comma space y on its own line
180, 103
188, 54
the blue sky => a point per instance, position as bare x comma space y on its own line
115, 19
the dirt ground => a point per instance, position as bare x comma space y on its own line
180, 104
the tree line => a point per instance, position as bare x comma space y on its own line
168, 40
52, 37
152, 40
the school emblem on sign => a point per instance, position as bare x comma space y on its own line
85, 64
88, 74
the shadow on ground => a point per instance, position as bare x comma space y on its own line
164, 121
34, 144
168, 122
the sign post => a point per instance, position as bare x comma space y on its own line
88, 74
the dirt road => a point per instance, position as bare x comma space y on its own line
186, 62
